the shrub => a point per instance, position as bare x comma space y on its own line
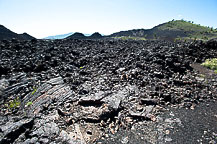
211, 63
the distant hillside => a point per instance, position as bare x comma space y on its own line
95, 35
78, 35
171, 30
8, 34
26, 36
62, 36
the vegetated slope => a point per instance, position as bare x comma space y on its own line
8, 34
190, 29
84, 91
172, 30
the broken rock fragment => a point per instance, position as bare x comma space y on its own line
12, 130
49, 92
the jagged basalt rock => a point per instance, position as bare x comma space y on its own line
12, 130
84, 91
51, 91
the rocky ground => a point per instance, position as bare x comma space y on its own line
106, 91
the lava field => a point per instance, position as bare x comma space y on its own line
95, 91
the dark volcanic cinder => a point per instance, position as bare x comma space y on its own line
89, 91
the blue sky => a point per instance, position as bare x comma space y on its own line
41, 18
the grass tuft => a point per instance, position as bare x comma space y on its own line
13, 103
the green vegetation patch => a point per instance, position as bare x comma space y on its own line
28, 103
34, 90
211, 63
13, 103
130, 38
186, 26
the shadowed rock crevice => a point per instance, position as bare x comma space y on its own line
13, 130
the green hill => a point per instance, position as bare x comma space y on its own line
190, 29
172, 30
